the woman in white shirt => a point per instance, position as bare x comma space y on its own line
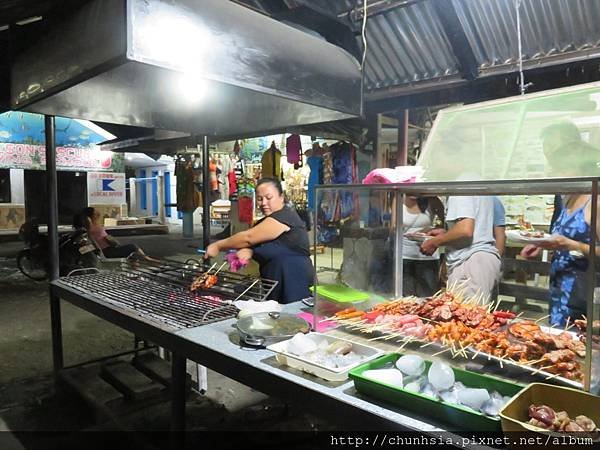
420, 272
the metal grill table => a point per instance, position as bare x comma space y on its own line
157, 302
153, 299
159, 291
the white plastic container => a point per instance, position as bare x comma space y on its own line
321, 371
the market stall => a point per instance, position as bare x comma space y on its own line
256, 93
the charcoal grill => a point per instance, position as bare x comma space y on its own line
159, 291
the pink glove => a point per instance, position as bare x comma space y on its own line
235, 263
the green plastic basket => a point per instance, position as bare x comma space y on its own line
462, 417
341, 294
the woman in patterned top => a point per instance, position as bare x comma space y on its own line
568, 156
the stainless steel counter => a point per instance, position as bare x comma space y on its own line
217, 347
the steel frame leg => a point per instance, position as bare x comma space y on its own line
56, 328
178, 378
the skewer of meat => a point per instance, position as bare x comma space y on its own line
199, 280
212, 279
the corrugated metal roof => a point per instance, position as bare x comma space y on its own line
408, 44
548, 27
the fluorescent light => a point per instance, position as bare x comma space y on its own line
191, 87
4, 27
176, 40
29, 20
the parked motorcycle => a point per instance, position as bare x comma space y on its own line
75, 249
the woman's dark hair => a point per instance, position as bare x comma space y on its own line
79, 220
88, 212
423, 203
270, 180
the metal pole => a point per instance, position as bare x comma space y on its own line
178, 379
402, 148
398, 266
315, 224
206, 193
160, 182
55, 319
591, 276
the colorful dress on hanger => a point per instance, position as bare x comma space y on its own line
246, 201
214, 182
234, 175
293, 149
225, 169
315, 163
188, 199
568, 279
344, 172
271, 162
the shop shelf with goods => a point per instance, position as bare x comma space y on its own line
363, 284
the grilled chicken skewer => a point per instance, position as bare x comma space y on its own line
202, 280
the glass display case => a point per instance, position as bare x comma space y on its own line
359, 263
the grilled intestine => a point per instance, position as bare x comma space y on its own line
543, 416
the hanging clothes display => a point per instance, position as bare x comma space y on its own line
339, 167
213, 181
235, 176
345, 171
246, 201
226, 167
188, 198
315, 163
271, 162
212, 170
293, 149
327, 165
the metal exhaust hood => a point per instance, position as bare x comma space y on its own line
201, 66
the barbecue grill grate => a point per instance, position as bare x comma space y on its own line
159, 291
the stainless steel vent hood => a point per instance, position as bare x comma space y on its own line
202, 66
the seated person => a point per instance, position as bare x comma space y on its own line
90, 220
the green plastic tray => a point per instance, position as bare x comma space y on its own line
463, 418
341, 294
